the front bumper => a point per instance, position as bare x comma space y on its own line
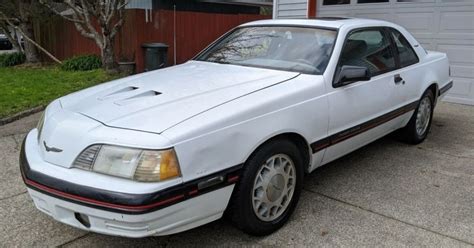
165, 212
173, 219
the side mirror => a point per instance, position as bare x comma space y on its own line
349, 74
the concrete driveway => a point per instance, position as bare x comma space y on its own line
386, 194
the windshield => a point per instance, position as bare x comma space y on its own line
300, 49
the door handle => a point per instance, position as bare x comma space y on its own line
398, 79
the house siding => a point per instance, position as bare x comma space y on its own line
140, 4
290, 9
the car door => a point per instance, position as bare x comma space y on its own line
362, 111
409, 77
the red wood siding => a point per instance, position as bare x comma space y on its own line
194, 32
312, 8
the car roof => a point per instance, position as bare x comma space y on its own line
327, 22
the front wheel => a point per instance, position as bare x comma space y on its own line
269, 189
419, 125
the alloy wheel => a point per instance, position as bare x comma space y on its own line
274, 187
423, 116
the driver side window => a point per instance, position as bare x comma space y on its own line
368, 48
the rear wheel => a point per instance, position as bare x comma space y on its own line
419, 125
269, 188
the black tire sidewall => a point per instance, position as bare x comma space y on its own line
248, 221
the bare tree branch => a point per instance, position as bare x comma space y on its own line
29, 39
45, 3
86, 14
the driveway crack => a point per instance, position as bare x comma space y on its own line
17, 143
444, 153
11, 134
12, 196
387, 216
73, 240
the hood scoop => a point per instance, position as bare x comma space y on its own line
118, 92
141, 96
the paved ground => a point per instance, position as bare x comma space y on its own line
386, 194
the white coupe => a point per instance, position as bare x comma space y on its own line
232, 131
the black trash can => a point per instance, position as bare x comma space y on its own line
156, 55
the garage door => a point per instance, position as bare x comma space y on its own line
441, 25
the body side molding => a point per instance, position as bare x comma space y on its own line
353, 131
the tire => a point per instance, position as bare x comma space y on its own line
413, 134
261, 181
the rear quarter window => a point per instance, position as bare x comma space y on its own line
404, 49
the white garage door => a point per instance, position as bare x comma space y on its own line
441, 25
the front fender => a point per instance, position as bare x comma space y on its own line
226, 136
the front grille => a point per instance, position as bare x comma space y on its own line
86, 159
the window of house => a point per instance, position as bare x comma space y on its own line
336, 2
372, 1
368, 48
405, 51
415, 1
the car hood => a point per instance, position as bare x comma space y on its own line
158, 100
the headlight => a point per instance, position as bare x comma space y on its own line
137, 164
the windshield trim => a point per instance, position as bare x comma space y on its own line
213, 44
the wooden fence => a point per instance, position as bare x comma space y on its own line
194, 31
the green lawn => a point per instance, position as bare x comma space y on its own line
25, 88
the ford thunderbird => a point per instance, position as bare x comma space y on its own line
233, 131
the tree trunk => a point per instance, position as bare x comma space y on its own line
26, 26
31, 53
108, 55
17, 38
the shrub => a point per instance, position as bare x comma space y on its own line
82, 63
12, 59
